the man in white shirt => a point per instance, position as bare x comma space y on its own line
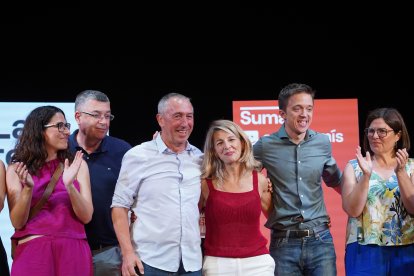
160, 180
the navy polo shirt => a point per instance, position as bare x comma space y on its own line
104, 165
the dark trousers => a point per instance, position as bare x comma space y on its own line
4, 265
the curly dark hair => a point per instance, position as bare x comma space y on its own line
30, 146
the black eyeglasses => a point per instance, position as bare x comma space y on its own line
98, 116
382, 132
61, 126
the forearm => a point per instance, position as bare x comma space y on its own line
354, 202
83, 208
19, 211
121, 226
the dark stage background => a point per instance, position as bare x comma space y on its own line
212, 53
134, 86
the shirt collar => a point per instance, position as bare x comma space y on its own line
162, 147
102, 146
283, 135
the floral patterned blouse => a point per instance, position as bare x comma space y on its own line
384, 220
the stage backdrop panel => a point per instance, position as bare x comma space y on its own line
336, 118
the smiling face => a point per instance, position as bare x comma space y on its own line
227, 146
176, 122
56, 139
91, 127
298, 115
381, 145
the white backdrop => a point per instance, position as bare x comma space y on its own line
12, 117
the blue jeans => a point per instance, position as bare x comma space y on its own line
304, 256
152, 271
107, 262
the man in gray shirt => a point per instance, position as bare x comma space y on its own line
296, 159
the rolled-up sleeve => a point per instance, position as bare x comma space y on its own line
331, 173
127, 186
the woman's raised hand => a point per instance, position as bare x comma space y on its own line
71, 171
402, 159
23, 174
365, 163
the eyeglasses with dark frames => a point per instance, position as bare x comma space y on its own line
61, 126
98, 116
382, 132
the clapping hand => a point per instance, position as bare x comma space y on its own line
24, 175
70, 172
402, 158
365, 163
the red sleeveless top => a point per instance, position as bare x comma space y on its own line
233, 223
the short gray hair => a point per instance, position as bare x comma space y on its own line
86, 95
162, 104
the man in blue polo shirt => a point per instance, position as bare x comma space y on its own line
103, 154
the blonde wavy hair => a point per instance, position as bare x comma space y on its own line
212, 166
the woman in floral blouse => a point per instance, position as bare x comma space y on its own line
378, 196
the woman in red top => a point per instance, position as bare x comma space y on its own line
234, 193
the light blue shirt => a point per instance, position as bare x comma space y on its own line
163, 189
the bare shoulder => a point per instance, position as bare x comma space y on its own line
349, 169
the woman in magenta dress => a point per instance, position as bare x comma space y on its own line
52, 242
